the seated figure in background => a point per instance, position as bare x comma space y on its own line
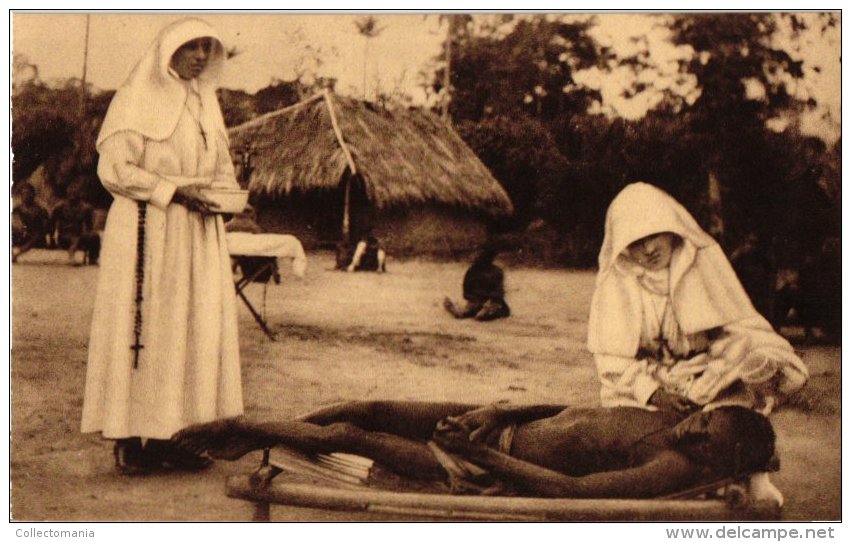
72, 222
484, 290
367, 255
538, 450
29, 223
246, 221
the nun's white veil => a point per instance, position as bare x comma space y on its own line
151, 99
704, 288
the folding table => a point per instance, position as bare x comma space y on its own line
257, 256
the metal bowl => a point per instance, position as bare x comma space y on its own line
230, 201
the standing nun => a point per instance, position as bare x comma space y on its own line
163, 352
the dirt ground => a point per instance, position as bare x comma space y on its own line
341, 337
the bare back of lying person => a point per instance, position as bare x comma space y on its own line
554, 451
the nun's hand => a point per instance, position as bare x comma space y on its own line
193, 199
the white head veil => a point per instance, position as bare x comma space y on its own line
704, 288
151, 99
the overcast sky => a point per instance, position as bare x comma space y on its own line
271, 45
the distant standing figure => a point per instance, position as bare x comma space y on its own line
484, 290
72, 223
367, 256
29, 223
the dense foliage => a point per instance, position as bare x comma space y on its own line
515, 99
770, 196
525, 71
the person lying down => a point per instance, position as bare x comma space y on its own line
543, 450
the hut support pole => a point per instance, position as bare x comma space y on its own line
352, 169
346, 204
339, 133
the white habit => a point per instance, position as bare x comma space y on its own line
160, 133
690, 329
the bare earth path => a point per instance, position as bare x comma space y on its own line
340, 337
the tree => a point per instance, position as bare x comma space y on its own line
309, 61
517, 65
48, 131
523, 157
43, 121
764, 178
368, 28
510, 78
277, 95
455, 25
24, 73
733, 56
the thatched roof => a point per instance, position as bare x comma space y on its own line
405, 156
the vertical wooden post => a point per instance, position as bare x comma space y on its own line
85, 66
716, 220
263, 508
447, 75
353, 170
346, 205
365, 59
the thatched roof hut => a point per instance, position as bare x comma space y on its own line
366, 155
405, 156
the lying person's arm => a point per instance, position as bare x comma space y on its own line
666, 473
479, 423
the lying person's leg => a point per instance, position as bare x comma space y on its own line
409, 419
231, 439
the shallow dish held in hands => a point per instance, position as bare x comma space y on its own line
230, 201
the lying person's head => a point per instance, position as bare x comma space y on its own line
727, 439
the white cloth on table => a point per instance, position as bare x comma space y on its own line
188, 371
273, 245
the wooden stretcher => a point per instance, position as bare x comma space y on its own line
343, 482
